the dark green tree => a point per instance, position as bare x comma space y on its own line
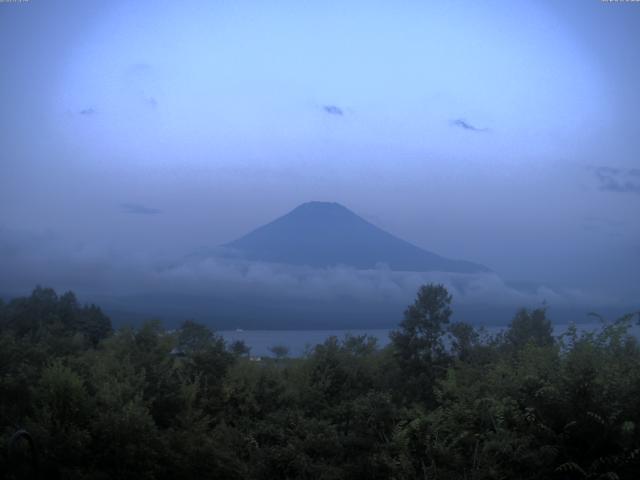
279, 351
530, 327
418, 344
194, 337
464, 340
239, 348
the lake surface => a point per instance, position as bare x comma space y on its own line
298, 341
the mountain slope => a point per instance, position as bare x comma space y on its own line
321, 234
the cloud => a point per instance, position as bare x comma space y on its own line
232, 275
88, 111
617, 180
139, 209
462, 123
101, 270
333, 110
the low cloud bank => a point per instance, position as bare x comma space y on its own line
28, 259
378, 284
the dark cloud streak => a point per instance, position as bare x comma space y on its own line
333, 110
462, 123
618, 180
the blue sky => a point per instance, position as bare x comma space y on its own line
501, 132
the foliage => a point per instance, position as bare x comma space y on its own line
279, 351
442, 401
418, 345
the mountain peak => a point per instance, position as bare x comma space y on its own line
315, 207
323, 234
321, 205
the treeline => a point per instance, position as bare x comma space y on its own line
441, 401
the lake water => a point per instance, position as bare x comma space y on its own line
260, 341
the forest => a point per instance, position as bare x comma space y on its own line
444, 400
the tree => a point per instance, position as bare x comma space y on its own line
464, 338
24, 315
62, 410
194, 337
239, 348
418, 345
44, 312
530, 327
280, 351
207, 360
93, 324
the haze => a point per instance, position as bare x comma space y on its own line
499, 132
